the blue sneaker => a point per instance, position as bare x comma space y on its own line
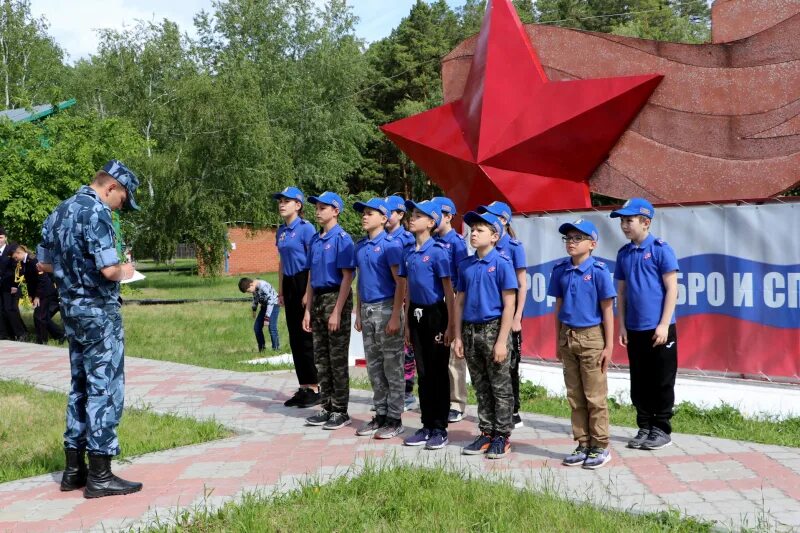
577, 457
499, 448
419, 438
597, 457
479, 446
438, 440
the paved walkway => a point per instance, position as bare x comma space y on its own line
735, 483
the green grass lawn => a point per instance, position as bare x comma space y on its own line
412, 499
32, 427
186, 284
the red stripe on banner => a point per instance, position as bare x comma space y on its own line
706, 342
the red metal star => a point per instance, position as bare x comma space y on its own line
516, 136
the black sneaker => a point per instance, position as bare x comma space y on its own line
337, 420
656, 440
318, 419
637, 441
310, 399
296, 399
392, 428
517, 420
372, 426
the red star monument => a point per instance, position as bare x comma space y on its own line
514, 135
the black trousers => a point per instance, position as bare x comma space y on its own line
515, 358
301, 342
43, 320
653, 372
11, 324
427, 325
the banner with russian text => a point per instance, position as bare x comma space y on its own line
739, 283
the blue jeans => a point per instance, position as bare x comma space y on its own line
258, 327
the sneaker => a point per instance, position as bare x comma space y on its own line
419, 438
310, 399
455, 416
637, 441
438, 440
656, 440
577, 457
478, 446
597, 457
409, 402
499, 448
392, 428
337, 420
372, 426
318, 419
296, 399
517, 420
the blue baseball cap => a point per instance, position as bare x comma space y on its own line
117, 170
584, 226
633, 207
374, 203
446, 205
395, 203
493, 220
329, 198
499, 209
290, 193
428, 207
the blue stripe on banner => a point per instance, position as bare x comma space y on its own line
711, 284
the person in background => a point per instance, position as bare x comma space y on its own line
43, 295
264, 295
11, 324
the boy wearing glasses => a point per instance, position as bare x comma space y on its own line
584, 293
647, 282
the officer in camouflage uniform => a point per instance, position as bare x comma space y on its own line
484, 312
79, 248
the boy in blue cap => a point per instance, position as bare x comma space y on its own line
484, 311
584, 293
329, 304
293, 240
395, 229
455, 246
647, 283
379, 318
429, 304
509, 246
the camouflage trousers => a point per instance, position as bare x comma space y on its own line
97, 393
492, 381
385, 357
332, 351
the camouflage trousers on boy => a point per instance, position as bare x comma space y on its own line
385, 358
331, 351
97, 393
492, 381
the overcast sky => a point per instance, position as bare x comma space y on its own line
73, 22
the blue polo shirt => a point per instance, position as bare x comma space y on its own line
512, 249
424, 269
293, 241
641, 268
483, 280
581, 288
456, 249
405, 237
328, 255
374, 260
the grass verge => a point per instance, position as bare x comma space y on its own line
187, 284
413, 499
724, 421
32, 426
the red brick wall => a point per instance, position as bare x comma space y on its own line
255, 251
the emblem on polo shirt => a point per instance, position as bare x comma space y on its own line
426, 259
327, 246
587, 277
377, 249
491, 268
648, 255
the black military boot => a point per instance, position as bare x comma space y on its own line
75, 473
102, 482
